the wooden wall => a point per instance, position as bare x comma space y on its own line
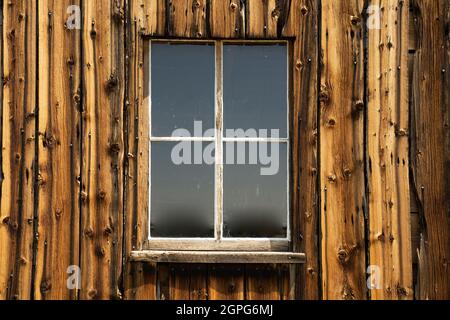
371, 178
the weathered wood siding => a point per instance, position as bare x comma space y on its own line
370, 163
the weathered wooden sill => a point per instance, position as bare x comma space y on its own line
217, 257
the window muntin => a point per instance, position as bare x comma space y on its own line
268, 195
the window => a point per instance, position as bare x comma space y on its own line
219, 145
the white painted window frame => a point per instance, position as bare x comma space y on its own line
220, 243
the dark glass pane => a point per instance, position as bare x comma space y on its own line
183, 84
182, 196
255, 87
255, 200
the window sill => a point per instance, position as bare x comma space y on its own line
219, 257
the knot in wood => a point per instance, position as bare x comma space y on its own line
355, 20
101, 195
89, 232
114, 148
100, 251
331, 123
13, 225
108, 230
23, 261
92, 293
347, 173
12, 34
45, 286
6, 220
399, 132
112, 83
308, 216
276, 14
76, 98
84, 196
324, 95
93, 34
359, 105
118, 14
304, 10
58, 214
401, 291
49, 141
343, 256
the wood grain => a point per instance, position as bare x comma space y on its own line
226, 19
342, 153
17, 215
302, 23
262, 18
430, 146
103, 148
217, 257
74, 152
262, 283
59, 151
387, 143
186, 18
139, 279
226, 282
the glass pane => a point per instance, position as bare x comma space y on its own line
255, 195
255, 87
182, 196
183, 84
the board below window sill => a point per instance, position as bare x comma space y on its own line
217, 257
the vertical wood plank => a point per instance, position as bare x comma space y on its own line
262, 283
18, 149
139, 280
226, 19
262, 18
289, 282
186, 18
198, 285
59, 150
102, 186
388, 161
149, 15
341, 145
226, 282
4, 242
430, 141
302, 23
179, 282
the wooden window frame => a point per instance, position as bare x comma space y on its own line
245, 250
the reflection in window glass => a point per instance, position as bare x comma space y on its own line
182, 196
255, 87
255, 205
182, 86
